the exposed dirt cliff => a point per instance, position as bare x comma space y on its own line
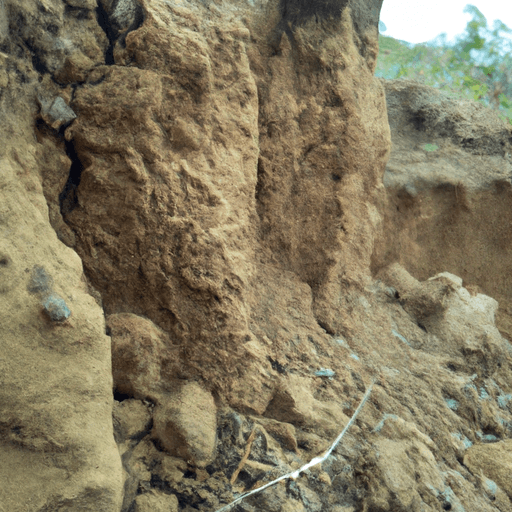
217, 228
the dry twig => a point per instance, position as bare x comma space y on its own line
245, 457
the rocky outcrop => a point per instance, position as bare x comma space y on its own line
203, 217
182, 239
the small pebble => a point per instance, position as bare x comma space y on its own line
55, 307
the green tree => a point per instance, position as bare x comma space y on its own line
476, 66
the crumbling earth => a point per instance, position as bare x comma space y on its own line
217, 229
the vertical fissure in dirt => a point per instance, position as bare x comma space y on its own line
68, 199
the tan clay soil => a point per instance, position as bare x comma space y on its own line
217, 229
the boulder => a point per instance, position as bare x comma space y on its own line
185, 424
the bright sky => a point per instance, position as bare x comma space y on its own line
418, 21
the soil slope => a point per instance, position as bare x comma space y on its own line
217, 229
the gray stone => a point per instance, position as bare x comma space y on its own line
125, 13
58, 114
55, 307
40, 280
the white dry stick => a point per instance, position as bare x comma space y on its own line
312, 462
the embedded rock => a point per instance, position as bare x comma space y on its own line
56, 309
56, 113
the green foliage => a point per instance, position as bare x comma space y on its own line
475, 67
